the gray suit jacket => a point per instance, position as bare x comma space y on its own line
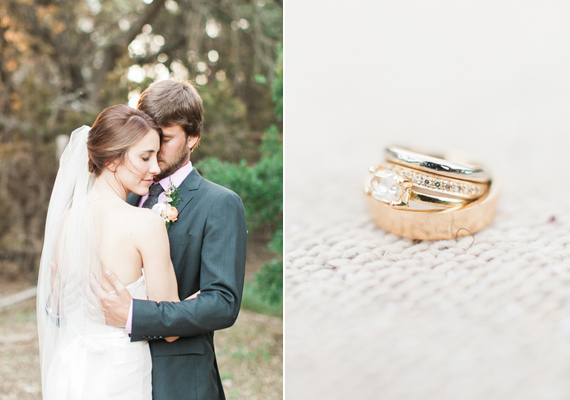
207, 247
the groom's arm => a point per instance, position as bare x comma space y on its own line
222, 272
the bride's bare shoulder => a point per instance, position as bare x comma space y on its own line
143, 219
125, 219
140, 213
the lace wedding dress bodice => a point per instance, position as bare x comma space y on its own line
101, 363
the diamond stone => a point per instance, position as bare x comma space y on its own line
385, 186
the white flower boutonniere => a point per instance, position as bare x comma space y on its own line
167, 210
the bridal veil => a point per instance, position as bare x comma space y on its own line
66, 306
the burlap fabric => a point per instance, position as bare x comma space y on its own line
370, 315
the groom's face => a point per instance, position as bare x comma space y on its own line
174, 150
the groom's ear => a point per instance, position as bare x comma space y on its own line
191, 142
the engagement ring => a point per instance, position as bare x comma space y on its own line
430, 198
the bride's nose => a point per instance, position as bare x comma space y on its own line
154, 168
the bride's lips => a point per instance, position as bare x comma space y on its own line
148, 181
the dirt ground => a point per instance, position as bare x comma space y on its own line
250, 354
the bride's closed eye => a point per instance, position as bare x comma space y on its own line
146, 156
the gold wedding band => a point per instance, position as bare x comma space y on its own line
430, 198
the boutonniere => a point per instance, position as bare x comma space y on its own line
167, 210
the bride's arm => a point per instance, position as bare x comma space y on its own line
154, 248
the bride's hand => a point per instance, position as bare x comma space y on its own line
54, 278
52, 302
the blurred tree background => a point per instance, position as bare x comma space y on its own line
63, 61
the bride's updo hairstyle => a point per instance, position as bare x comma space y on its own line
114, 132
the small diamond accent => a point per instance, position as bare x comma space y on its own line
432, 182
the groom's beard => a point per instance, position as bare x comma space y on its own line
179, 160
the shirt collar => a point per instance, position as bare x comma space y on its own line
177, 177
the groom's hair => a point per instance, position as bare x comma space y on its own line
114, 132
173, 103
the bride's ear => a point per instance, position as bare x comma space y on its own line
112, 165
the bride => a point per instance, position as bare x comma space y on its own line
89, 229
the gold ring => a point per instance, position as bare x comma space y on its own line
425, 205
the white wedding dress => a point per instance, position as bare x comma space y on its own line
81, 357
101, 364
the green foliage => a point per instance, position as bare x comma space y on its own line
261, 79
254, 300
271, 144
260, 186
269, 281
277, 86
225, 125
276, 243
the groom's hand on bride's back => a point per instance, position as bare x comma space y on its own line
116, 305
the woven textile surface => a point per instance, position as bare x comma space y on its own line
370, 315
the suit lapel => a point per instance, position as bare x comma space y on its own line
188, 189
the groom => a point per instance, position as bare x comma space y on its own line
207, 248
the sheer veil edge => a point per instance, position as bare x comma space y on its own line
67, 309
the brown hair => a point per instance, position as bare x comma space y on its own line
173, 103
114, 132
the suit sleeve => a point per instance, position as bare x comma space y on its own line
221, 281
